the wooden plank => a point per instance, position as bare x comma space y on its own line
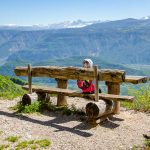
73, 93
136, 79
96, 82
75, 73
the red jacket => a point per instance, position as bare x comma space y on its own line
87, 86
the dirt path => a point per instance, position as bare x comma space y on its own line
70, 133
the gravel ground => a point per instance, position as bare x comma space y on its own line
122, 132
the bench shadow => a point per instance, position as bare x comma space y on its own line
110, 122
113, 118
60, 119
55, 123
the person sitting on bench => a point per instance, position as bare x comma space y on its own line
87, 86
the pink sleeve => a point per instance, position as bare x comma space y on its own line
80, 84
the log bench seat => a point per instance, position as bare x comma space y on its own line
73, 93
94, 109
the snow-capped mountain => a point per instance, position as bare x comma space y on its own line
61, 25
145, 18
73, 24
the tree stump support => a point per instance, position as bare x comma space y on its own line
28, 99
61, 99
98, 109
114, 88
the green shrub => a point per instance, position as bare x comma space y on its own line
34, 107
142, 99
37, 106
18, 81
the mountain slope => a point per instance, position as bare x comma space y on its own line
123, 41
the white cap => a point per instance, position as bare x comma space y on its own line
89, 61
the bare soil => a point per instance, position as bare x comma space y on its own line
122, 132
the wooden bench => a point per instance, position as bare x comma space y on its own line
136, 79
73, 93
112, 78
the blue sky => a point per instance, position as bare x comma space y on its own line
29, 12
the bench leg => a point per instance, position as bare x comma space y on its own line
61, 99
114, 88
43, 96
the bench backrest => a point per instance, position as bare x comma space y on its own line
74, 73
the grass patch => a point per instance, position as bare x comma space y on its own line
145, 147
4, 146
37, 106
33, 144
43, 143
33, 147
147, 144
134, 147
8, 89
13, 139
1, 132
21, 145
142, 99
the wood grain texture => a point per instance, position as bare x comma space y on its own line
61, 99
114, 88
136, 79
75, 73
97, 109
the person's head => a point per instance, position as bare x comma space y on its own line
87, 63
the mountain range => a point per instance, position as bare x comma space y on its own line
122, 41
66, 24
117, 42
